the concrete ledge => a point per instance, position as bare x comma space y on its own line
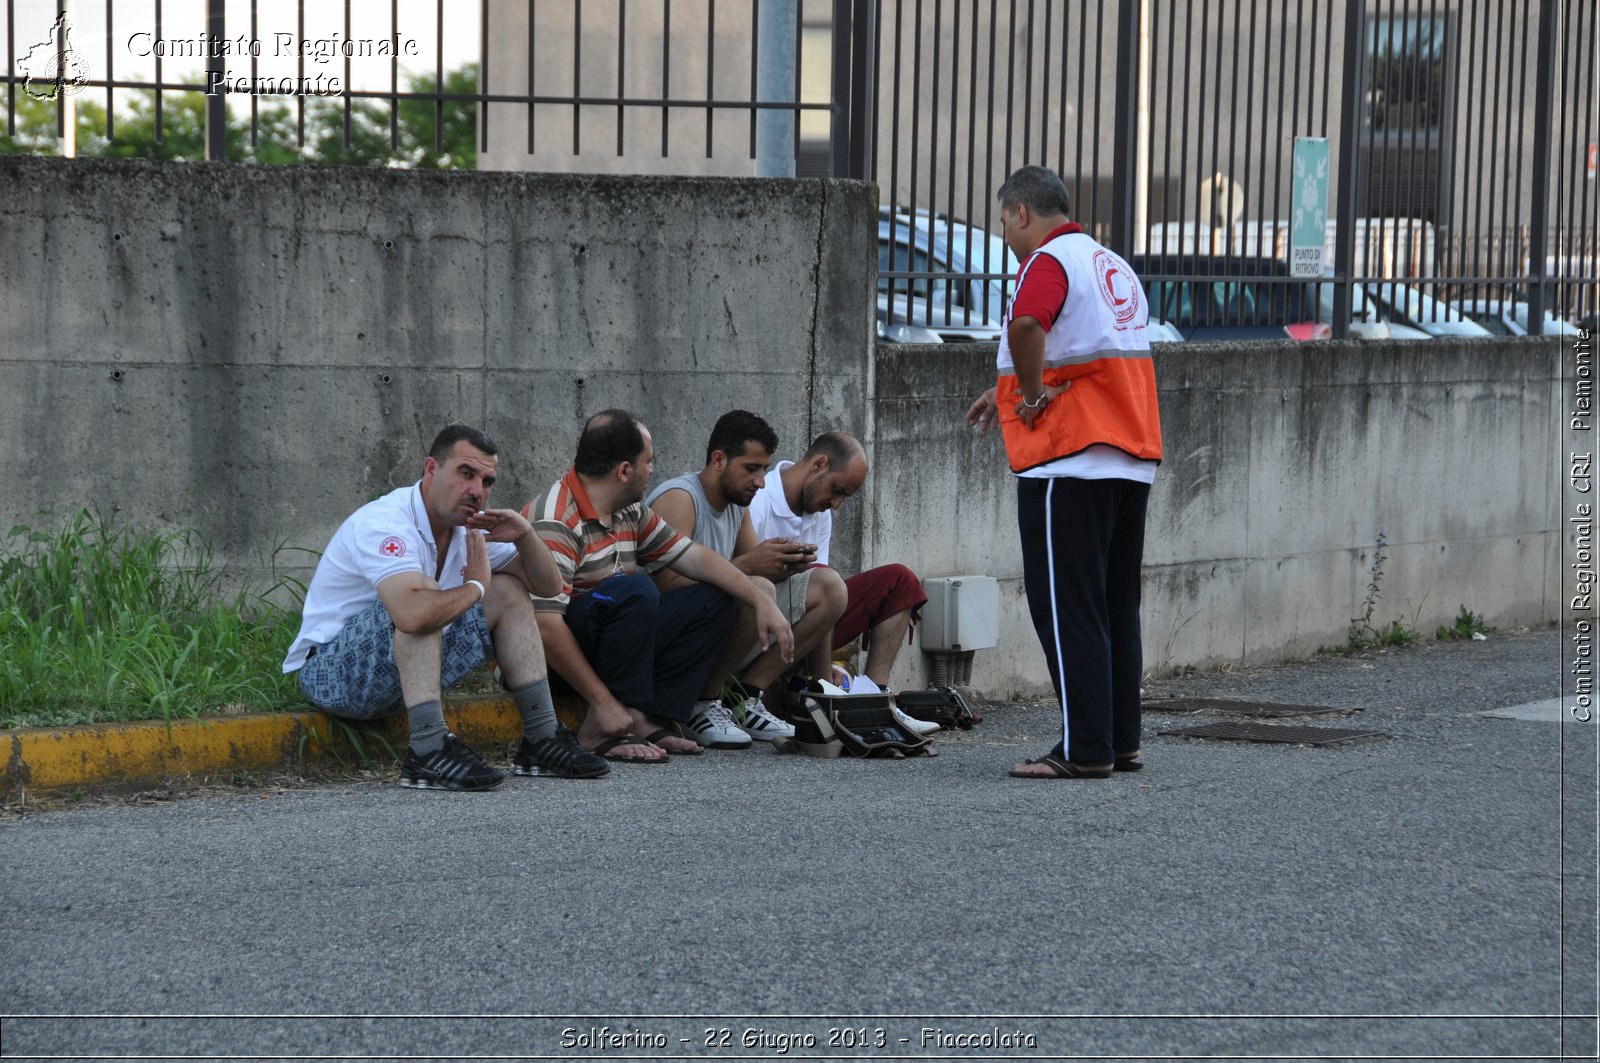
144, 753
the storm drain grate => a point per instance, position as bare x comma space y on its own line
1283, 734
1271, 709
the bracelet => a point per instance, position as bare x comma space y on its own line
1043, 398
481, 590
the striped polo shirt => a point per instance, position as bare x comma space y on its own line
586, 551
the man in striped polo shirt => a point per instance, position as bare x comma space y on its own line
636, 656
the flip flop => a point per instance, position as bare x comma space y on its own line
1128, 762
1062, 769
668, 733
604, 749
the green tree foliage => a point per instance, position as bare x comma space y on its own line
420, 140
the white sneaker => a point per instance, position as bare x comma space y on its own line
911, 723
761, 724
712, 726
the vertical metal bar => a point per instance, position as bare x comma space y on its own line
1124, 153
533, 39
894, 162
438, 82
863, 90
1060, 55
916, 157
483, 76
111, 67
875, 87
348, 99
711, 72
1543, 134
1367, 203
1083, 125
755, 69
11, 68
577, 68
1184, 190
1099, 118
1027, 89
1484, 136
1050, 55
1508, 193
955, 133
1203, 213
622, 67
1250, 119
1234, 119
160, 36
666, 72
972, 142
1438, 139
1011, 84
394, 72
799, 67
1349, 159
839, 89
1469, 148
1590, 198
59, 43
1507, 226
1274, 148
934, 80
1171, 68
1480, 265
216, 69
255, 97
300, 70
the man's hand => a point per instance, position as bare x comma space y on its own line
777, 559
503, 525
981, 414
477, 559
1029, 414
772, 626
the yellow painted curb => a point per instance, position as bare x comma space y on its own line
121, 754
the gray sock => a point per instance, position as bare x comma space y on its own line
427, 727
538, 711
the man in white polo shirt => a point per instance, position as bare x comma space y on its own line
796, 504
415, 590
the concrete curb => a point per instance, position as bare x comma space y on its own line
145, 753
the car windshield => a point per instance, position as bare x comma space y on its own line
1361, 308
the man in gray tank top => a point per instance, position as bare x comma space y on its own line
709, 507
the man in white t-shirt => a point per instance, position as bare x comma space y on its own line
796, 504
415, 590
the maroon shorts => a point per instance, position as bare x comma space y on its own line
876, 595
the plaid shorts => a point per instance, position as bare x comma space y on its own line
354, 675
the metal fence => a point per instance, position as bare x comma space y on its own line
1461, 134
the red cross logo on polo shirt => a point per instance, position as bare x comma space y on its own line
393, 546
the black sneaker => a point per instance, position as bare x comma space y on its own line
450, 767
561, 757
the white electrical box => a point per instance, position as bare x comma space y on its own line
963, 613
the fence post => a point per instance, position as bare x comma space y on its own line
1542, 136
1355, 47
863, 98
216, 69
1125, 146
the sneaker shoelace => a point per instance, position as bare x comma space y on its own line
717, 715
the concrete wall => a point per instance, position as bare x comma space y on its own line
1282, 466
254, 351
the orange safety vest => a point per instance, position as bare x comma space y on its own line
1098, 343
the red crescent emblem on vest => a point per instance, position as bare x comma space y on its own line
1116, 286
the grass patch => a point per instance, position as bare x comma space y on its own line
100, 623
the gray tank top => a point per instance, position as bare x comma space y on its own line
716, 531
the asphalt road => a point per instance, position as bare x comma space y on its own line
1431, 893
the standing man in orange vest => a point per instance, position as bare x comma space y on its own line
1076, 403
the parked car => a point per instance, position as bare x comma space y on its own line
1503, 317
959, 310
1367, 321
900, 332
1242, 298
1411, 306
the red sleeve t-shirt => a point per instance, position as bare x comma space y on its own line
1042, 283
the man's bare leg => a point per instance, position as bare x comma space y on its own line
826, 598
887, 634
